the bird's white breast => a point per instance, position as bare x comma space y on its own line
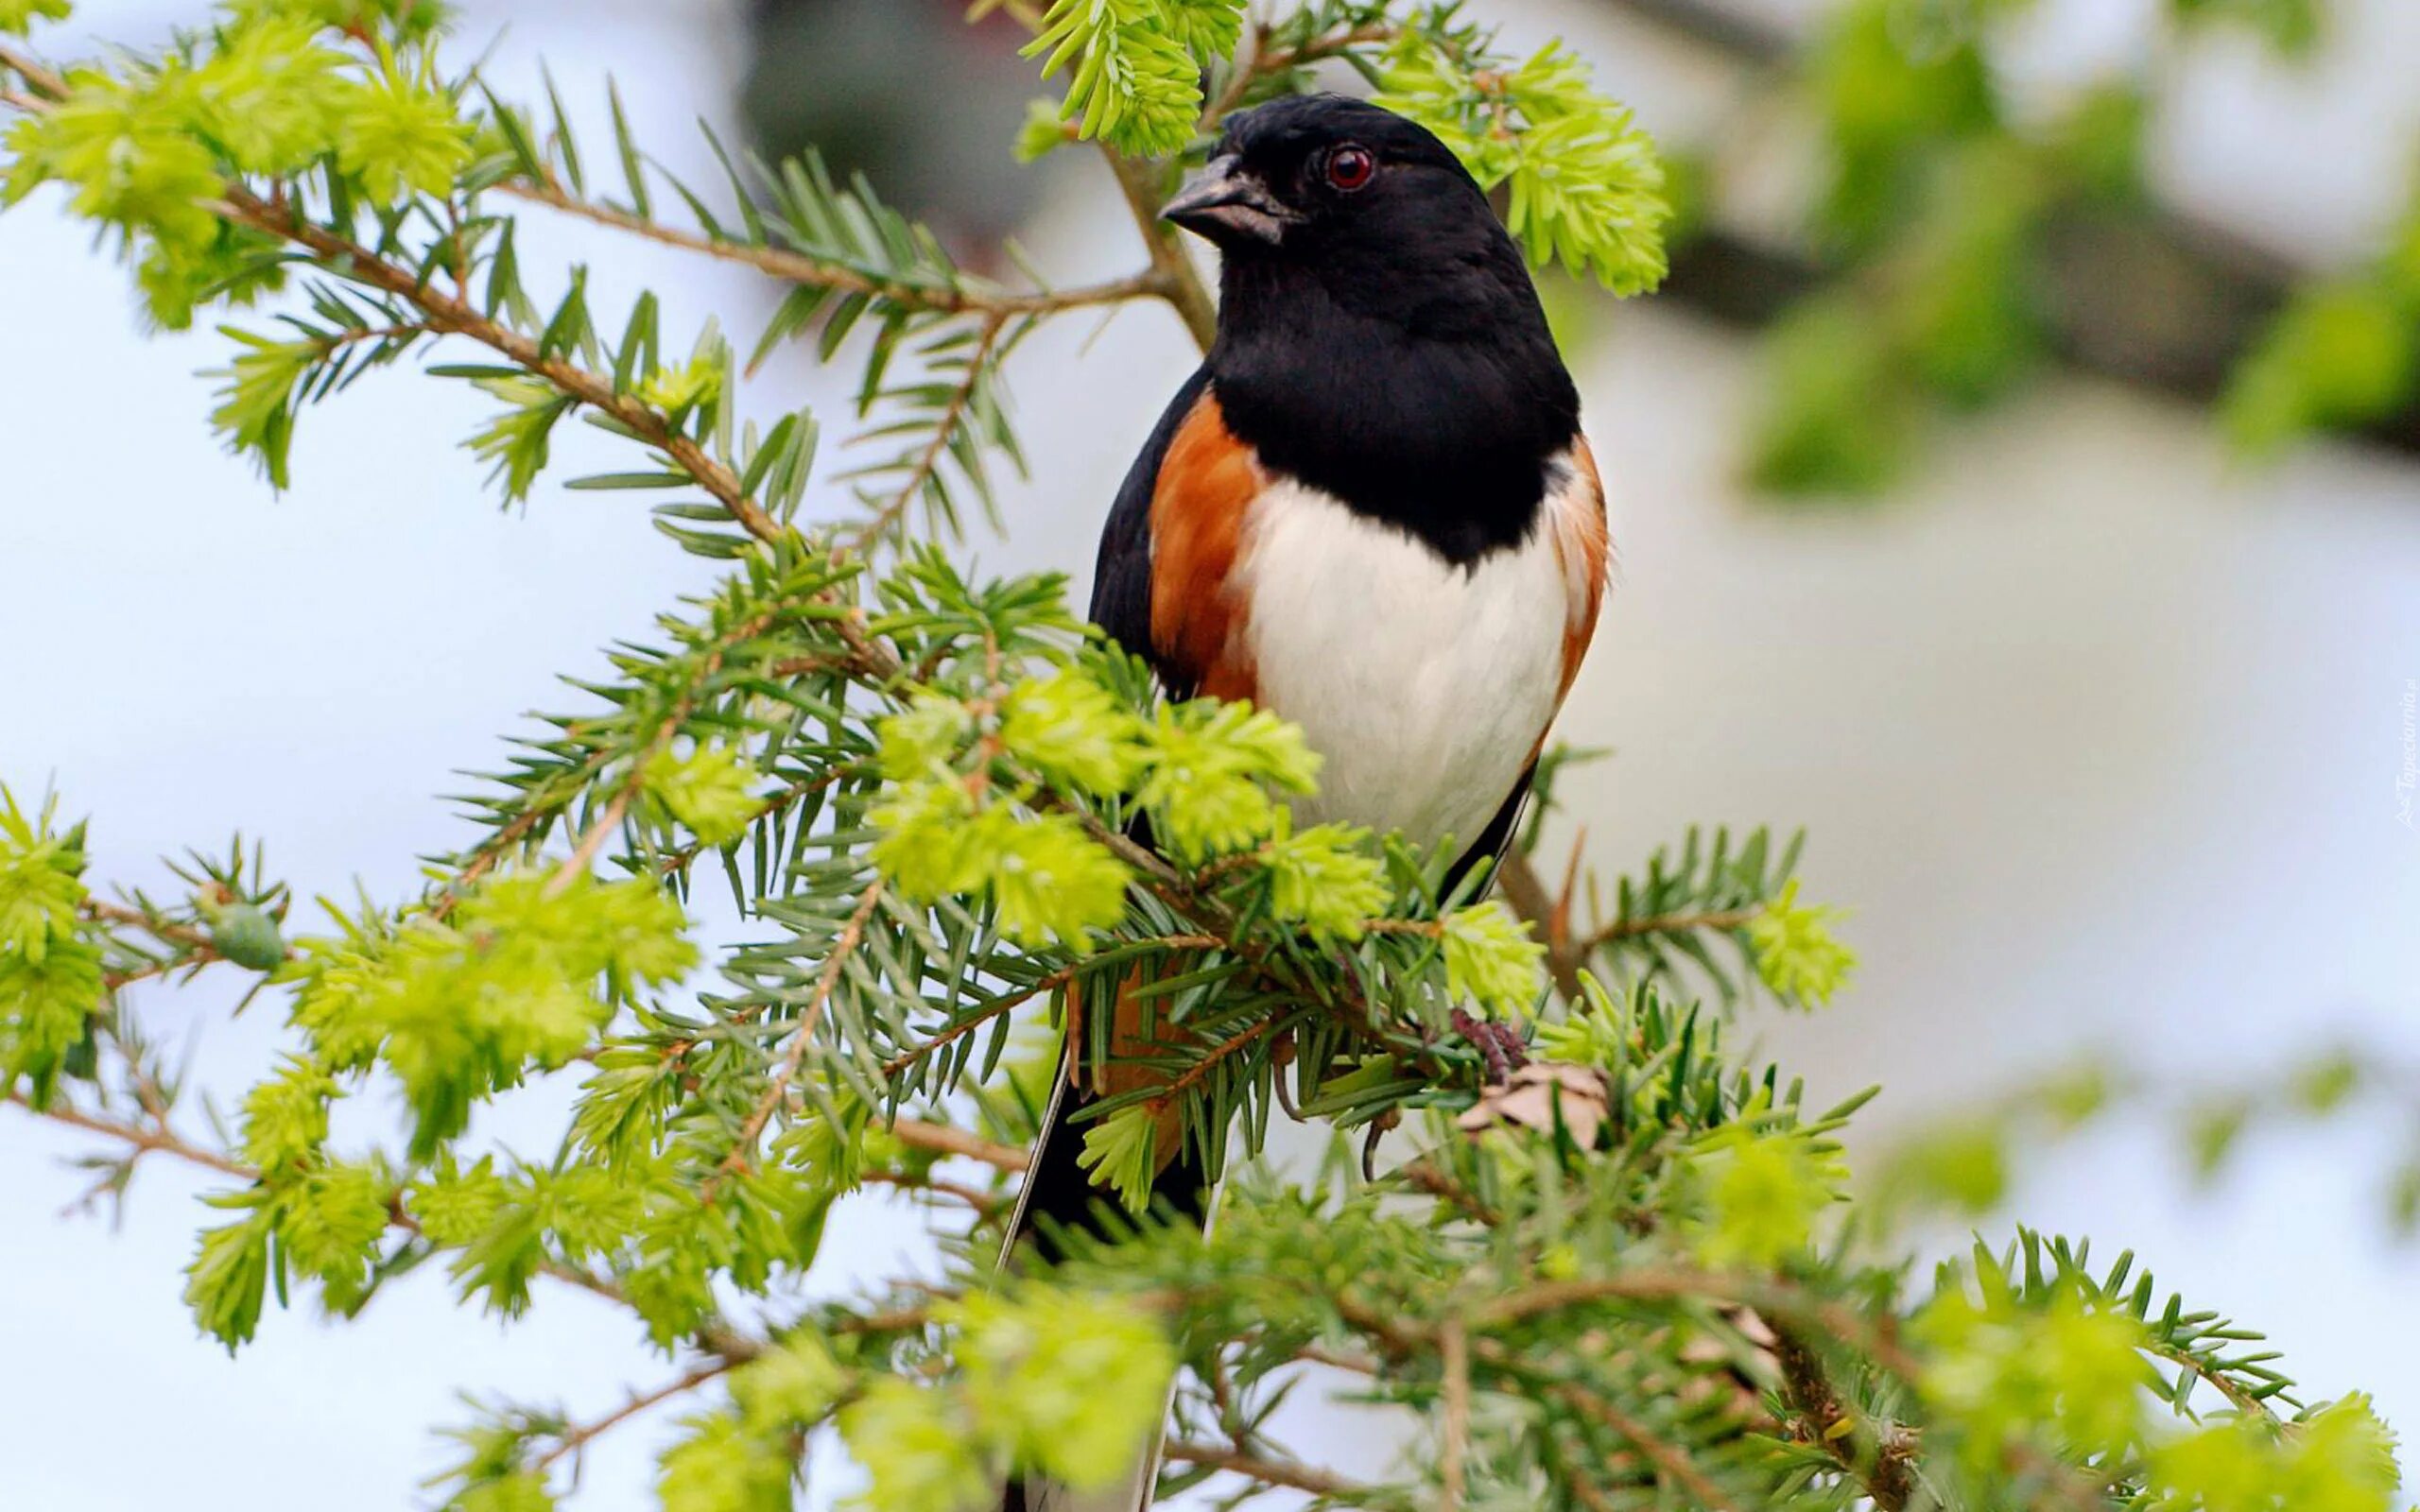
1425, 685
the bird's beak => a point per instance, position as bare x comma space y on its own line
1226, 203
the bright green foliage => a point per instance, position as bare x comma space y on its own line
1050, 881
1585, 188
285, 1118
255, 409
1212, 767
1067, 727
1122, 1154
522, 972
1034, 1362
2006, 1370
915, 1447
2339, 1459
272, 94
516, 438
329, 1223
1492, 959
18, 16
1797, 954
1042, 134
1135, 71
50, 974
520, 1491
712, 790
2291, 26
42, 882
678, 390
721, 1466
402, 133
229, 1276
1763, 1193
1324, 879
792, 1384
2342, 354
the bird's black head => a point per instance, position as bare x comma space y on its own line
1370, 204
1306, 171
1379, 334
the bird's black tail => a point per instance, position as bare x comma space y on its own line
1058, 1199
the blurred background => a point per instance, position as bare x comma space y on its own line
1965, 520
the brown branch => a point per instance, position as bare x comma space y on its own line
713, 1334
103, 911
1454, 1367
956, 1032
578, 1436
1194, 1074
592, 840
2241, 1401
143, 1140
984, 1203
1530, 900
48, 87
1671, 1462
796, 267
962, 395
1776, 1299
1671, 924
1050, 983
1265, 61
743, 1149
1139, 182
1291, 1474
1881, 1455
922, 1135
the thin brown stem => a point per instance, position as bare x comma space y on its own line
946, 1140
143, 1140
1266, 61
1194, 1074
577, 1436
1291, 1475
1776, 1299
1454, 1365
984, 1203
743, 1149
1527, 896
796, 267
904, 498
1139, 182
592, 839
1673, 1467
1881, 1455
1672, 924
167, 932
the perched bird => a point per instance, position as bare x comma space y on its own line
1370, 511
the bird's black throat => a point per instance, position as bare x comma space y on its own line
1417, 386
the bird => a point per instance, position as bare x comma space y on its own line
1370, 511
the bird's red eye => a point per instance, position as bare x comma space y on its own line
1350, 167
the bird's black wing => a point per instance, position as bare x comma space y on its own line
1489, 849
1122, 574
